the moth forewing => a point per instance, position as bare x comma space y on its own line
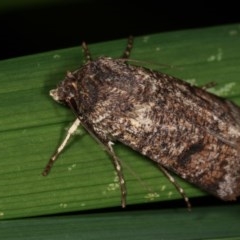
183, 128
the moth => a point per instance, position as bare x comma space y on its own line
182, 128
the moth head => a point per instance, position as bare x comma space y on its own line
66, 92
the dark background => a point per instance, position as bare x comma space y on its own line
38, 27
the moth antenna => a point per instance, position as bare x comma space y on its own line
176, 185
128, 49
135, 175
208, 85
54, 157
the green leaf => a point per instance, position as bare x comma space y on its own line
32, 124
202, 223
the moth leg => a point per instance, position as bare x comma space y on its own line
115, 160
176, 185
118, 168
117, 165
54, 157
86, 52
128, 49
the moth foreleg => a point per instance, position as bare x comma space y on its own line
54, 157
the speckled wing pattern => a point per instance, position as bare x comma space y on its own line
182, 128
185, 129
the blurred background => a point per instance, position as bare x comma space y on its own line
33, 26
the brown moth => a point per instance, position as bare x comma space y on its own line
183, 128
